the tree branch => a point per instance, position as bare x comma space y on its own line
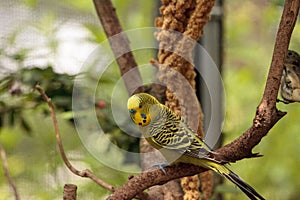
153, 177
267, 114
6, 172
84, 173
120, 44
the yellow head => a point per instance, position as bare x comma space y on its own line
139, 107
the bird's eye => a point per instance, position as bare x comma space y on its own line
140, 106
132, 111
294, 68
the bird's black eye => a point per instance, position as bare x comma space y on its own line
140, 106
294, 68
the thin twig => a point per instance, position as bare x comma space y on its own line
84, 173
6, 172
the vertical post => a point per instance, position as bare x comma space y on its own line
212, 41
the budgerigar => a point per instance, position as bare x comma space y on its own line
165, 131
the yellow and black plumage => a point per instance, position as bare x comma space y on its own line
165, 131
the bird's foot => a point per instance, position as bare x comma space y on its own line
161, 166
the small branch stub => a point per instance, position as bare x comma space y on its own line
70, 192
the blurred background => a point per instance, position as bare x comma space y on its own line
48, 43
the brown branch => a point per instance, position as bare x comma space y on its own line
266, 116
119, 44
6, 172
154, 177
84, 173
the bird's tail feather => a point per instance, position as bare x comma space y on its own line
247, 189
234, 178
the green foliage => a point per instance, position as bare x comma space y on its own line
17, 93
26, 130
17, 85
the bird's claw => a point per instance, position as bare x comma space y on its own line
161, 166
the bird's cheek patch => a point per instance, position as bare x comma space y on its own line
144, 120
